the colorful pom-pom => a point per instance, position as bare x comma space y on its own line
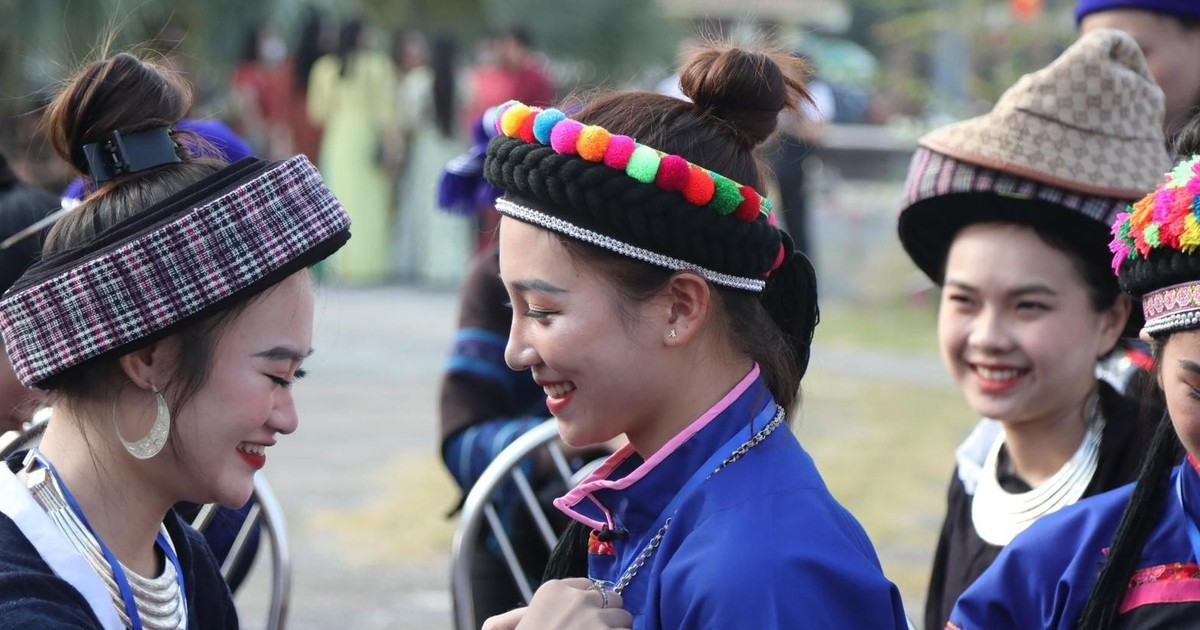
544, 123
699, 189
672, 173
748, 209
620, 148
512, 119
526, 131
1190, 239
643, 164
727, 196
500, 109
565, 135
593, 142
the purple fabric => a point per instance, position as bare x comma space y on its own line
220, 247
226, 145
1180, 8
463, 190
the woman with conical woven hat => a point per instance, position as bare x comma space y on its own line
1126, 558
1008, 212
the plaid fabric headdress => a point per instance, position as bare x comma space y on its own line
206, 248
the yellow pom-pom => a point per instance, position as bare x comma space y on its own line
1190, 239
514, 117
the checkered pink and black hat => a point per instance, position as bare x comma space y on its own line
206, 248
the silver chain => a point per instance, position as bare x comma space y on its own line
652, 546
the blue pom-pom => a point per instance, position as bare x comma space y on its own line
544, 123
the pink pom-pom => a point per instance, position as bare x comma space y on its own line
618, 151
565, 135
672, 173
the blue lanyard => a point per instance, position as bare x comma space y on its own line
135, 620
1192, 531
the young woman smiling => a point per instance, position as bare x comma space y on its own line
1126, 558
168, 319
653, 297
1009, 213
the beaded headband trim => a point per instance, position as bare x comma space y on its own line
1164, 219
219, 248
700, 186
1173, 308
524, 213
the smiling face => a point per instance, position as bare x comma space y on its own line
602, 366
1017, 328
1179, 376
246, 400
1171, 51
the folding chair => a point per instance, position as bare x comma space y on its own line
266, 510
480, 508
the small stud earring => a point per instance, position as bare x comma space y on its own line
672, 334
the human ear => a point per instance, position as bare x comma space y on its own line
689, 297
152, 365
1112, 324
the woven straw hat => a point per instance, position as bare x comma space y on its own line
1090, 122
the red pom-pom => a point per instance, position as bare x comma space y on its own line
700, 186
526, 132
749, 208
672, 173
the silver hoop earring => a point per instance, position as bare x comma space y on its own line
154, 441
672, 334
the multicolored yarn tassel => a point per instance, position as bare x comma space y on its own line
1167, 218
700, 186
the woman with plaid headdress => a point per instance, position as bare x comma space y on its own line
167, 319
653, 297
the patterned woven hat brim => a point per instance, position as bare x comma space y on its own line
927, 227
208, 247
1090, 122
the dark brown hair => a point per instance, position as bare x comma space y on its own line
737, 95
124, 93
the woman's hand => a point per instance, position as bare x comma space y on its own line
571, 603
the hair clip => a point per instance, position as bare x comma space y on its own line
127, 153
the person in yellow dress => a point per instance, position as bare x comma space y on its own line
352, 94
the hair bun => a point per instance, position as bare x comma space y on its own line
119, 93
746, 88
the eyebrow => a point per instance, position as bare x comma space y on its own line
537, 285
1190, 366
1022, 290
284, 353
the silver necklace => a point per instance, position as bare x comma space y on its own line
999, 515
159, 602
737, 454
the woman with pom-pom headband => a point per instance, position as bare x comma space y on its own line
1126, 558
654, 298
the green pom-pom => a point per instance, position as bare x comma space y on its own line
643, 164
1123, 231
1151, 235
727, 196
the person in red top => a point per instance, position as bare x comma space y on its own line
531, 82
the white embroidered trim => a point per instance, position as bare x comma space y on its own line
517, 211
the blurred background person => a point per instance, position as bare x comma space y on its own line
310, 46
1168, 32
261, 90
21, 207
352, 94
432, 247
